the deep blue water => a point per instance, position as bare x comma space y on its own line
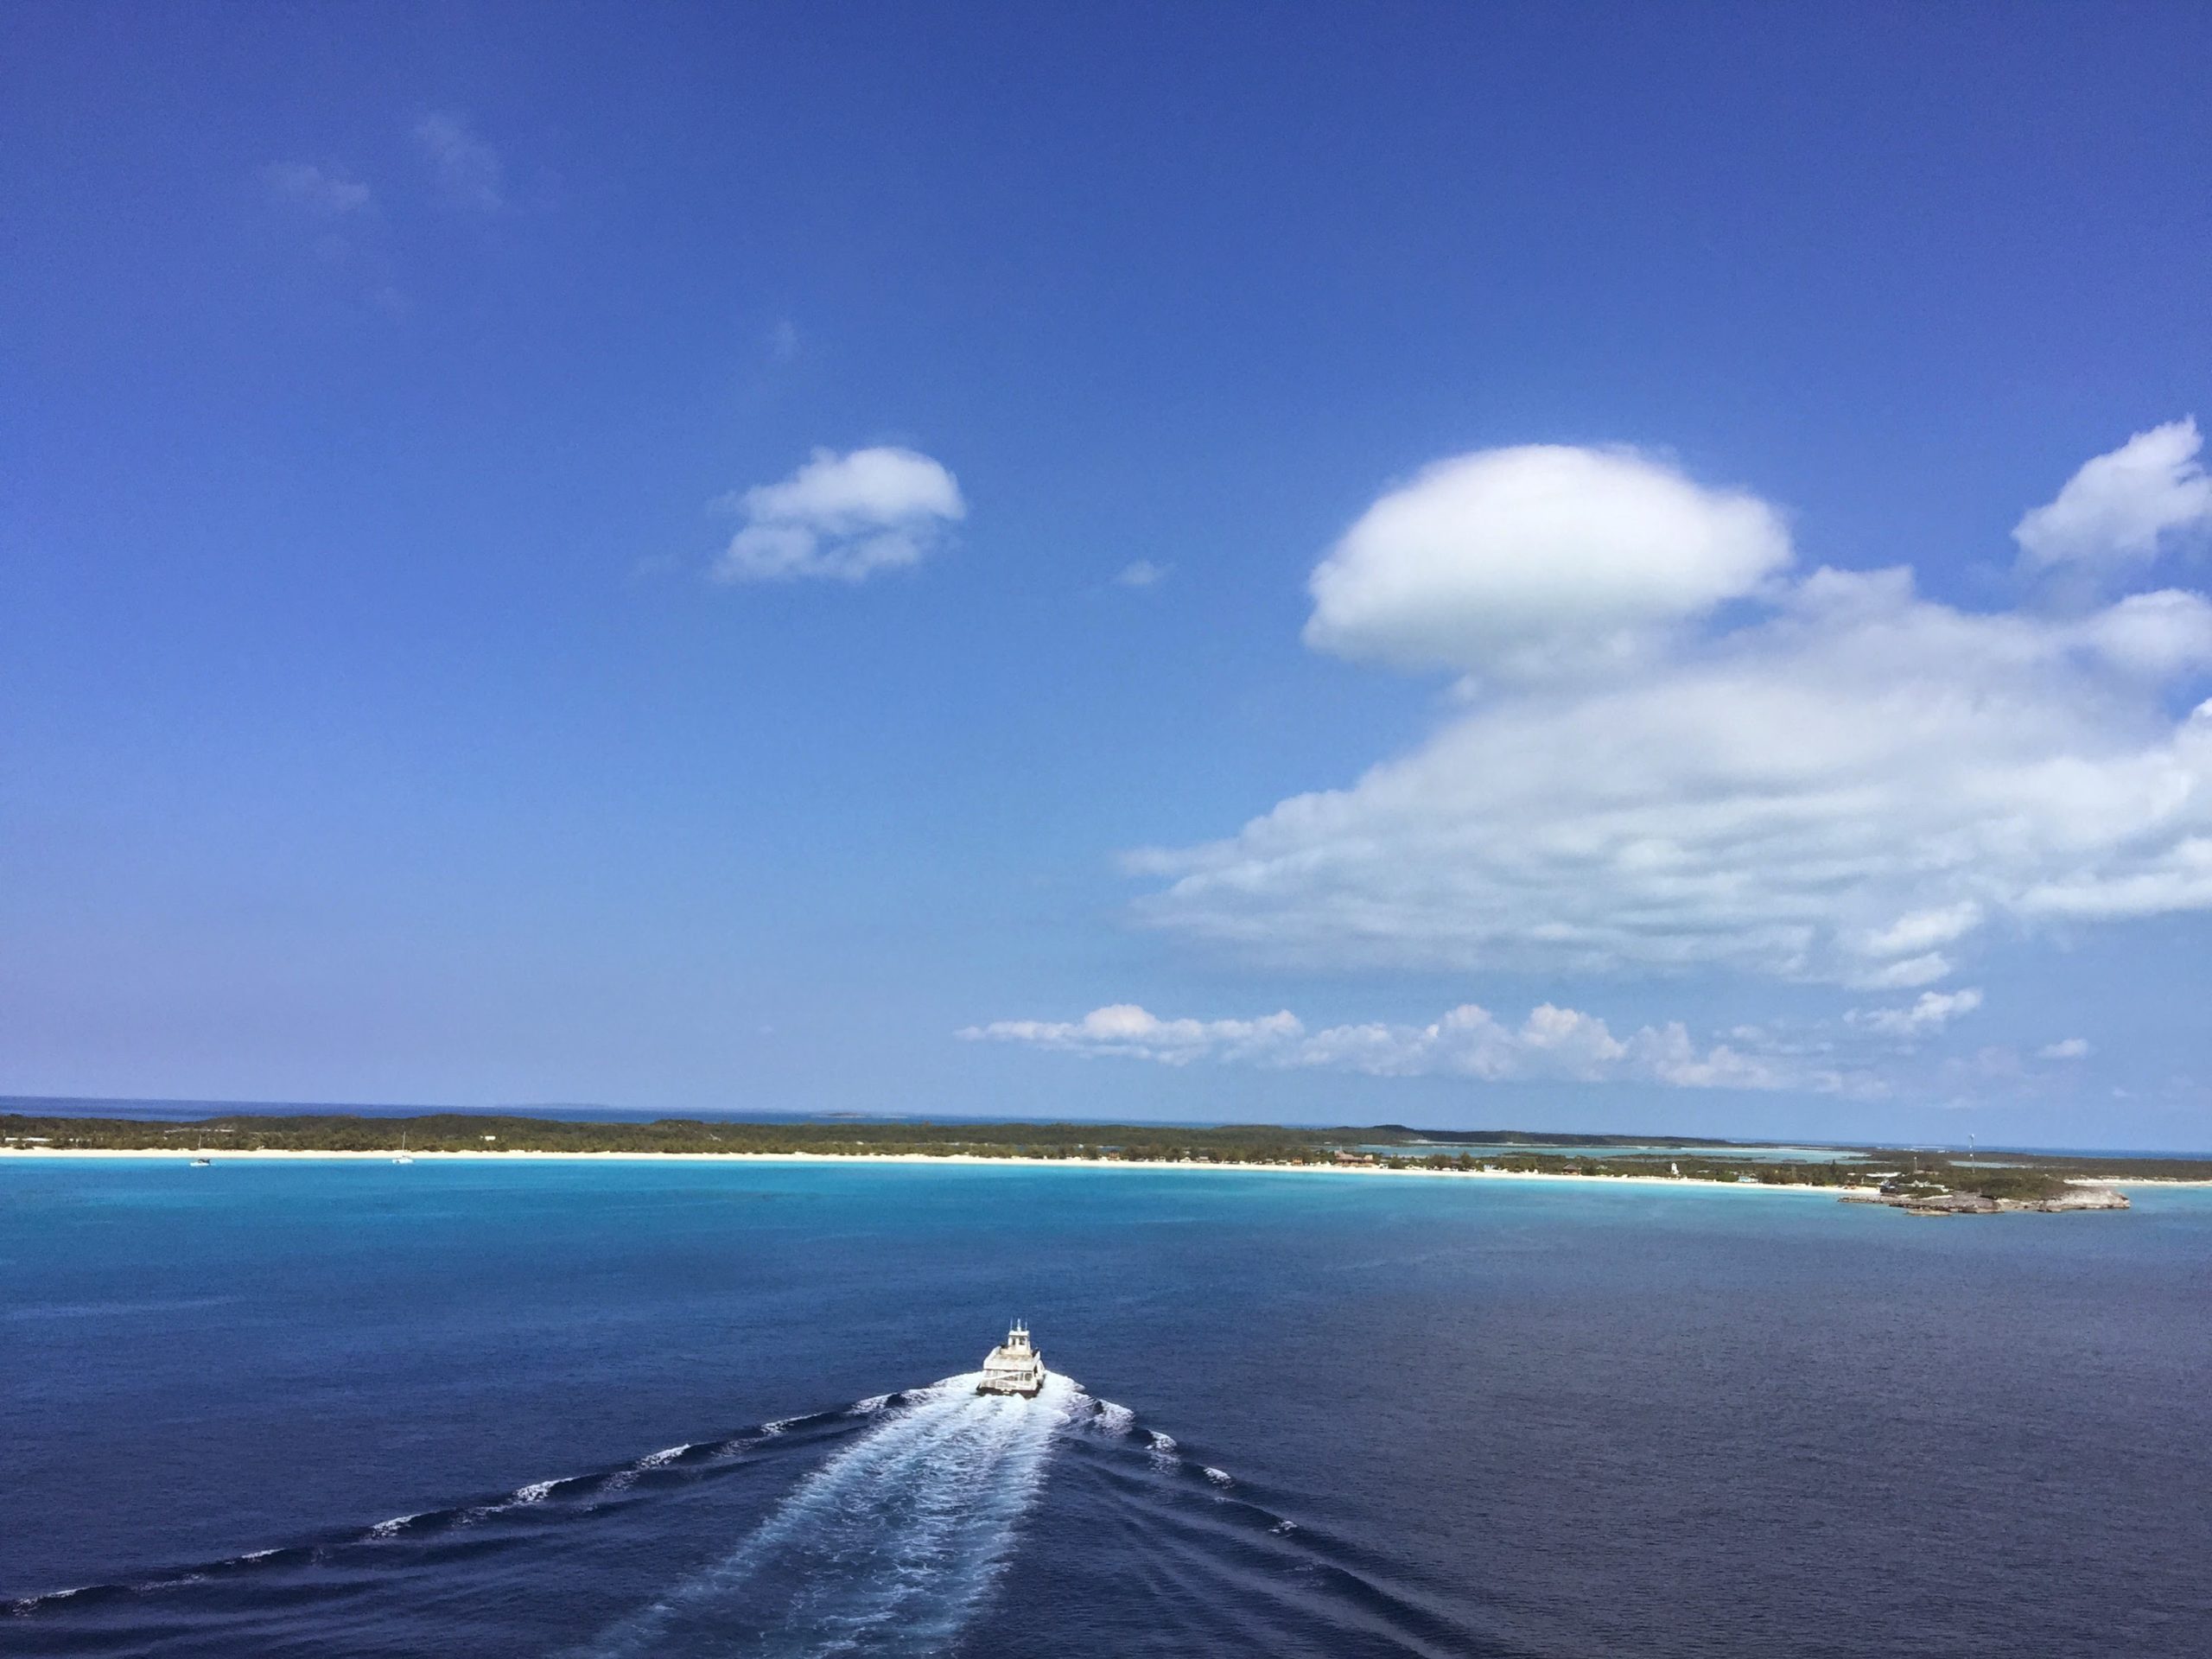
636, 1408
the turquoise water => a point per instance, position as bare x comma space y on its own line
688, 1408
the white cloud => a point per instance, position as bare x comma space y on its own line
842, 516
2123, 507
1845, 783
1923, 929
316, 190
1524, 560
1123, 1028
468, 170
1140, 573
1552, 1043
2156, 635
2070, 1048
1900, 975
1933, 1011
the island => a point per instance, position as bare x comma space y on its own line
1915, 1181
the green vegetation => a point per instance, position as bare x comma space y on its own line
1383, 1134
2012, 1177
470, 1132
2005, 1183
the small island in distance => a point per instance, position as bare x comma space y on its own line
1920, 1181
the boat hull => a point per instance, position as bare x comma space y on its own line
1025, 1390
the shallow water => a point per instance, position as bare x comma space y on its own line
606, 1409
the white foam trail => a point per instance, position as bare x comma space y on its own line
392, 1527
23, 1606
1163, 1450
537, 1492
1219, 1476
870, 1406
1112, 1419
779, 1427
888, 1547
622, 1479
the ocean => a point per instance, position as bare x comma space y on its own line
606, 1409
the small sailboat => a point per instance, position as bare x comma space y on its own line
1013, 1367
403, 1156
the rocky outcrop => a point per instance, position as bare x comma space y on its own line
1975, 1203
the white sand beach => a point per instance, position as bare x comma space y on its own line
1394, 1172
494, 1155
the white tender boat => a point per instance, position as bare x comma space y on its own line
1013, 1367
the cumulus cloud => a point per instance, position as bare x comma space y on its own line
1552, 1044
2124, 507
1933, 1011
2156, 635
316, 190
1140, 573
2069, 1048
843, 517
1525, 560
469, 171
1839, 780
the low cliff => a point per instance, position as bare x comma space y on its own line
1926, 1203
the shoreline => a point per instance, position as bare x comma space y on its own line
297, 1155
287, 1154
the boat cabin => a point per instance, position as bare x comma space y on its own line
1015, 1366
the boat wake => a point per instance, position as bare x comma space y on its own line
889, 1526
888, 1547
564, 1498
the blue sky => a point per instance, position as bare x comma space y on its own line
1198, 561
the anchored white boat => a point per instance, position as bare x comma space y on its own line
1013, 1367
